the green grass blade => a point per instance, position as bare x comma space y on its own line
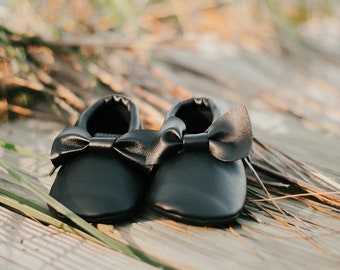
20, 150
65, 211
37, 212
108, 241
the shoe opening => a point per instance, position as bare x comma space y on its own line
196, 115
112, 117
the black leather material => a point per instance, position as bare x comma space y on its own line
193, 182
101, 176
228, 138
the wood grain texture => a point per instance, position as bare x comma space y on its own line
26, 244
288, 108
247, 245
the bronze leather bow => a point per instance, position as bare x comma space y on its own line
73, 141
229, 138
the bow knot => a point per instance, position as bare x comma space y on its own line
102, 143
229, 138
73, 141
198, 141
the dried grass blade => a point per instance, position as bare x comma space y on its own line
290, 196
239, 236
298, 230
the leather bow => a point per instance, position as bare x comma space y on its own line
73, 141
229, 138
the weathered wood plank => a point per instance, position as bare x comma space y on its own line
26, 244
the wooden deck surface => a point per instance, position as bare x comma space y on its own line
286, 111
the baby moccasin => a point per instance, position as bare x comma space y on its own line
198, 176
102, 176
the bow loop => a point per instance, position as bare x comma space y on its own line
229, 138
134, 145
68, 143
167, 141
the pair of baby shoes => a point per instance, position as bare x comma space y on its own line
190, 170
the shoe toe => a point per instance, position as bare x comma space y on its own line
99, 187
198, 189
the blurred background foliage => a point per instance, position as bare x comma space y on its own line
44, 43
234, 20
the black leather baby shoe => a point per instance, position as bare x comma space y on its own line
102, 176
198, 176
